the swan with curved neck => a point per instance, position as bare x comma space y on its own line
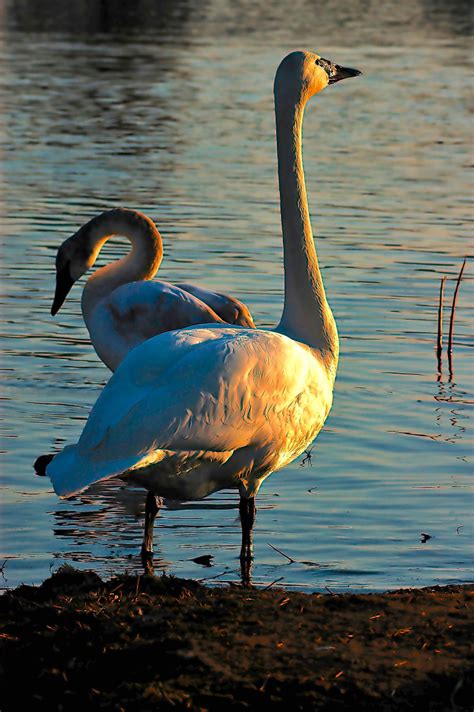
121, 306
210, 407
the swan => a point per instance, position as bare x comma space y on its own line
120, 305
214, 406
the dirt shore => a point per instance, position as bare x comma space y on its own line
161, 643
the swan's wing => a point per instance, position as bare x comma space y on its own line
197, 389
137, 311
140, 310
230, 309
201, 389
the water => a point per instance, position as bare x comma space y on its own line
171, 112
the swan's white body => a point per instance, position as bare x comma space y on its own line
120, 305
192, 411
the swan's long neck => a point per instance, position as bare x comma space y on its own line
141, 263
306, 313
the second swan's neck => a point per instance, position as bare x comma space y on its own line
306, 316
141, 263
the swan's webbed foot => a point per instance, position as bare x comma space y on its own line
151, 510
248, 510
41, 463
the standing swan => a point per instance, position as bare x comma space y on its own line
193, 411
121, 307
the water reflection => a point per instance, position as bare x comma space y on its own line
173, 17
83, 17
106, 524
176, 119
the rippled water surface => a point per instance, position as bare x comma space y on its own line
171, 112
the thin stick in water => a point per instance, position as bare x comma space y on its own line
453, 309
439, 349
292, 561
273, 583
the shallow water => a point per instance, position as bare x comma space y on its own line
171, 113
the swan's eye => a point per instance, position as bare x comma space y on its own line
328, 66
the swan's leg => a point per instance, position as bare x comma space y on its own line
247, 511
151, 510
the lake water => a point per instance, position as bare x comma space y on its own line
171, 112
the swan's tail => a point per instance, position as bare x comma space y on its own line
41, 464
71, 473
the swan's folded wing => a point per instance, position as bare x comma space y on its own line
203, 389
230, 309
158, 372
141, 310
212, 389
197, 389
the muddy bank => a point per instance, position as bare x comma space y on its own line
143, 643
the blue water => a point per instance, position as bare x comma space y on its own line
172, 114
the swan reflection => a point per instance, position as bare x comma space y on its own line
106, 525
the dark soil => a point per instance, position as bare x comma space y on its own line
161, 643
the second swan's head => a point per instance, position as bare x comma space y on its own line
79, 252
73, 259
301, 75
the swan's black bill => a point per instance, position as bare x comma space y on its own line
64, 282
343, 73
335, 72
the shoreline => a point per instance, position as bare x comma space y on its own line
159, 642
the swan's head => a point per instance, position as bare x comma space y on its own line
75, 256
301, 75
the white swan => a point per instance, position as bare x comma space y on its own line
192, 411
121, 307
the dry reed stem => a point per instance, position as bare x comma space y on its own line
453, 309
439, 348
440, 315
292, 561
273, 583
